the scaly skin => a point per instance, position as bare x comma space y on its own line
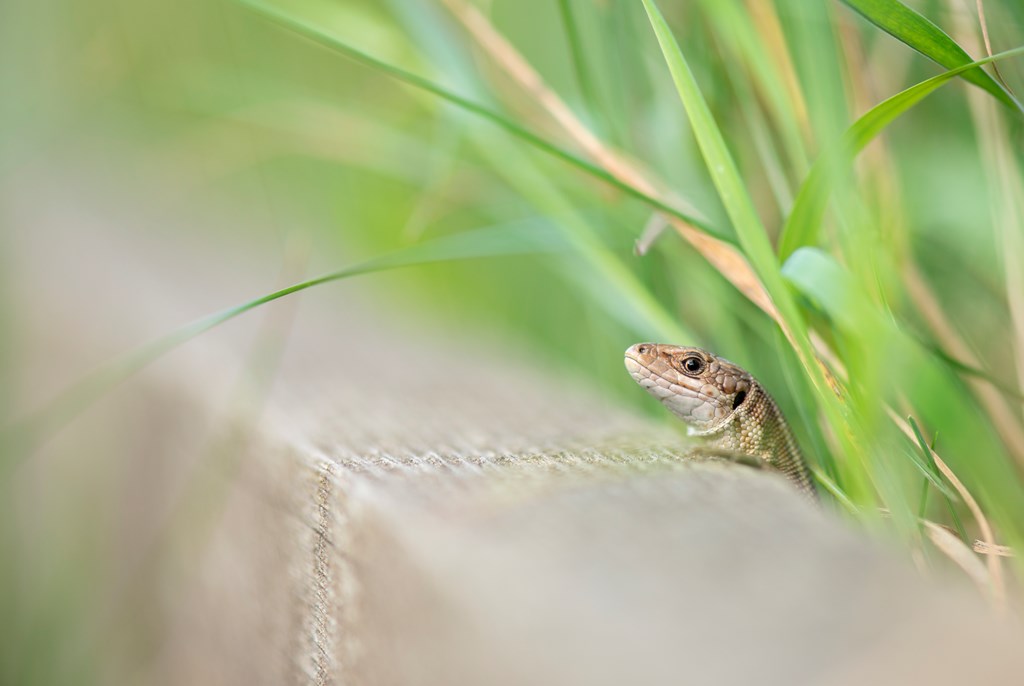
722, 403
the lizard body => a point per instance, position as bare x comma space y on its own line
722, 403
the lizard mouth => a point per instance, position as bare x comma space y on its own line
633, 367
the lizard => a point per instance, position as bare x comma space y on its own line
723, 404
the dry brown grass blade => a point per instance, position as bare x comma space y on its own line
957, 551
724, 257
984, 548
995, 568
1003, 418
879, 170
767, 23
654, 227
984, 34
988, 546
721, 255
1003, 175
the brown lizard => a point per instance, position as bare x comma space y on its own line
721, 403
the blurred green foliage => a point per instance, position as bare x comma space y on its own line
930, 213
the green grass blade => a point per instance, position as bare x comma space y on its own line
918, 32
603, 276
948, 494
922, 505
579, 64
826, 482
992, 379
925, 464
721, 166
803, 226
516, 238
320, 36
911, 371
727, 181
754, 240
747, 53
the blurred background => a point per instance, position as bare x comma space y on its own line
506, 163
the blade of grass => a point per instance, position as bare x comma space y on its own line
602, 276
833, 488
928, 450
516, 238
937, 395
815, 443
918, 32
720, 254
983, 548
803, 226
693, 227
927, 466
860, 324
820, 183
968, 370
749, 35
712, 145
320, 36
726, 178
961, 554
999, 149
922, 506
727, 181
995, 569
572, 36
737, 202
812, 38
754, 240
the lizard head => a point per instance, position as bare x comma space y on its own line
702, 389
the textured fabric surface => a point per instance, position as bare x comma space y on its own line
522, 551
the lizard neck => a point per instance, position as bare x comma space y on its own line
757, 427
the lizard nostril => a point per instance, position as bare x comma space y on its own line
642, 349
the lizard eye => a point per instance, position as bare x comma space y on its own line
692, 365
